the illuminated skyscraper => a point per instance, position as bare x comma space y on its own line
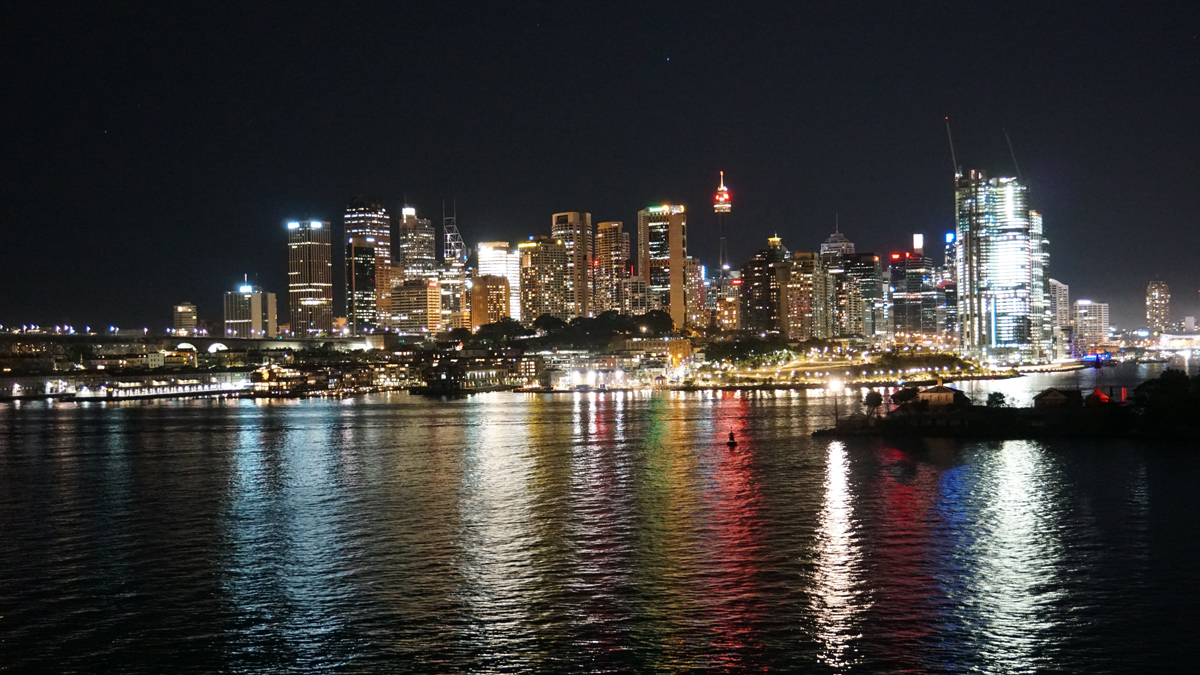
417, 306
574, 230
611, 266
1001, 258
496, 259
366, 217
662, 255
250, 313
697, 306
185, 319
1158, 306
310, 278
414, 248
544, 265
837, 244
1060, 318
914, 288
489, 300
762, 287
1091, 324
363, 262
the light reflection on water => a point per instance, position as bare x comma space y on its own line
578, 533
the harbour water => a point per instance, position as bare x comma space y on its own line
580, 533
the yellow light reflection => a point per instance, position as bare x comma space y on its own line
837, 585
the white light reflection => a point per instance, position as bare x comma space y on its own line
497, 557
1016, 556
838, 597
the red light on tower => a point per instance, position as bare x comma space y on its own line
723, 201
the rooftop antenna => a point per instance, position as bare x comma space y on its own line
953, 158
1014, 158
837, 223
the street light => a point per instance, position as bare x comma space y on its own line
835, 386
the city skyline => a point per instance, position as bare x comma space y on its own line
1099, 166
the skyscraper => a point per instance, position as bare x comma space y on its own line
611, 265
414, 248
1158, 306
366, 217
574, 230
1001, 258
452, 276
1091, 324
544, 279
417, 306
914, 290
250, 313
697, 306
796, 297
489, 300
185, 319
496, 259
310, 278
363, 262
662, 252
761, 287
1060, 318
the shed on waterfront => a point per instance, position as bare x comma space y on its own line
1058, 398
941, 396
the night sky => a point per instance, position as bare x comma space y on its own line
151, 154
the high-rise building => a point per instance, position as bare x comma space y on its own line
363, 262
417, 306
611, 266
697, 309
1060, 318
1091, 324
489, 300
761, 287
414, 251
869, 314
1158, 306
452, 276
837, 244
796, 296
662, 252
635, 296
914, 287
574, 230
496, 259
310, 278
544, 279
250, 313
1001, 259
366, 217
185, 319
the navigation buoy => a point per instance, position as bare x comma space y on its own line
732, 442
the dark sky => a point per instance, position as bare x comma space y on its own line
152, 153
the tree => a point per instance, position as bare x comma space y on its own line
997, 400
656, 322
505, 330
459, 335
905, 395
872, 401
547, 323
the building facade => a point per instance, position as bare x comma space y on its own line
363, 262
417, 306
1158, 307
495, 258
1060, 318
611, 266
185, 319
250, 313
1001, 259
489, 300
574, 230
662, 255
310, 278
544, 280
414, 249
1091, 325
366, 217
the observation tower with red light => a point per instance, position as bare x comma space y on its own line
722, 205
